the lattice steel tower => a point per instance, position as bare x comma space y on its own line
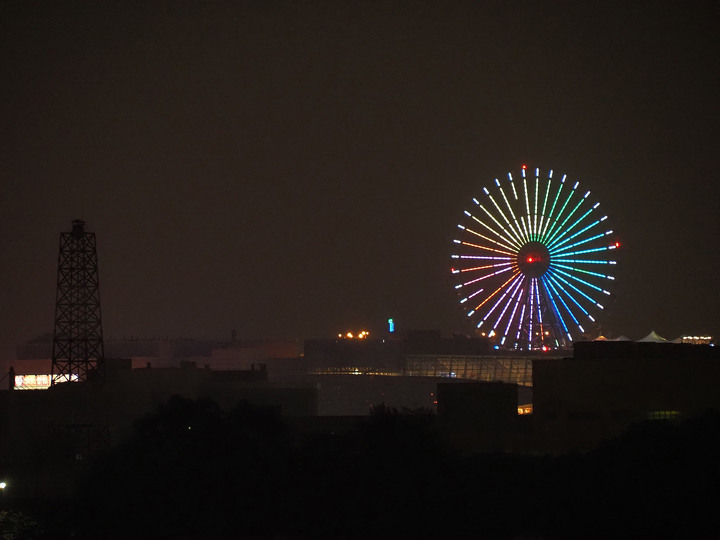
78, 352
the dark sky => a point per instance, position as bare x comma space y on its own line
294, 169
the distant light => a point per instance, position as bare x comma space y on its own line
529, 259
496, 347
524, 166
391, 324
3, 485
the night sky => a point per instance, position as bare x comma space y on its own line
296, 169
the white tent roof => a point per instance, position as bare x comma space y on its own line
652, 337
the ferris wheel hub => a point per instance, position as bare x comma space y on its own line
533, 259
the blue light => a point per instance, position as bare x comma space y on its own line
391, 325
569, 225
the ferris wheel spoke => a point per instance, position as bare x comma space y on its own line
516, 233
515, 221
544, 206
559, 220
478, 268
551, 295
585, 251
512, 185
485, 248
496, 291
558, 290
486, 276
567, 230
480, 257
560, 231
480, 235
508, 234
579, 280
538, 306
489, 228
506, 290
512, 316
521, 323
535, 207
585, 261
557, 243
527, 206
556, 250
471, 296
531, 312
550, 217
526, 228
581, 271
513, 290
557, 279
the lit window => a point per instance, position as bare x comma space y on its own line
663, 415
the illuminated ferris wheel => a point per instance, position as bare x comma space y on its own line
532, 261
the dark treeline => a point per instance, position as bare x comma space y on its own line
192, 470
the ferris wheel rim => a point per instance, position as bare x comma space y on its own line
533, 254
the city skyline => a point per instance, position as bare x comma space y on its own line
294, 170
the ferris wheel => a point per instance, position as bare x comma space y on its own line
532, 261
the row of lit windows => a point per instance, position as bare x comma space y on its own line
40, 382
663, 415
350, 370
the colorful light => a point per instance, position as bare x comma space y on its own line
553, 288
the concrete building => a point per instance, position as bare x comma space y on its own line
607, 386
